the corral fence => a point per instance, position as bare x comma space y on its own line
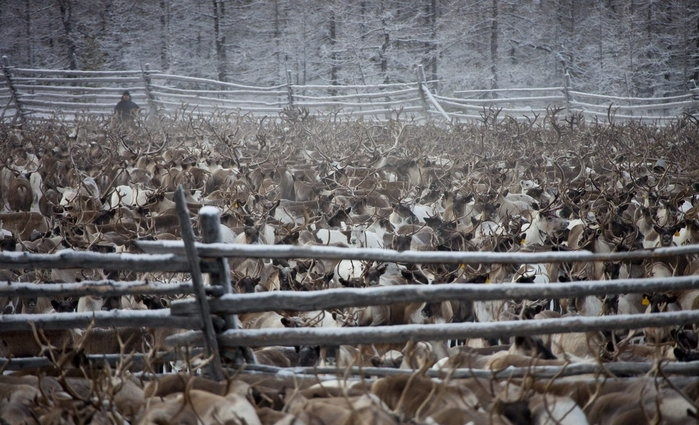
45, 94
211, 312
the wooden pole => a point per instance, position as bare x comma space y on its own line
328, 299
266, 337
566, 90
421, 257
420, 74
601, 370
150, 97
290, 91
68, 259
160, 318
198, 281
210, 224
13, 90
101, 288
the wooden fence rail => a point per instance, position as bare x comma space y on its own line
438, 332
386, 295
45, 94
219, 304
417, 257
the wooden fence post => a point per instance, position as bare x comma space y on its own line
210, 222
420, 74
13, 90
566, 90
150, 97
290, 91
427, 97
198, 283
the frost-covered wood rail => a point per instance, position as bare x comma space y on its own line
425, 332
390, 255
38, 94
168, 255
339, 298
351, 297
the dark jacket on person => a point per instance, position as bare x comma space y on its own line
126, 108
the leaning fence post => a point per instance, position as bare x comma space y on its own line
13, 90
210, 224
566, 90
198, 283
420, 74
289, 89
150, 97
694, 90
427, 97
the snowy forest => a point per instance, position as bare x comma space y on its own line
628, 48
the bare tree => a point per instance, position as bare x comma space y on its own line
165, 34
494, 44
220, 40
66, 9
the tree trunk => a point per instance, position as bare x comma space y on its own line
494, 45
333, 48
277, 41
66, 8
28, 30
431, 46
383, 51
165, 35
219, 13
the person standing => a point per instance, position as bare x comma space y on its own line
126, 109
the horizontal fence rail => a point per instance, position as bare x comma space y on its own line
544, 372
68, 259
386, 295
373, 335
217, 304
102, 288
114, 318
419, 257
438, 332
136, 360
44, 94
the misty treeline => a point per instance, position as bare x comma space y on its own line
624, 47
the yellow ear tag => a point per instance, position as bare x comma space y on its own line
522, 241
462, 266
235, 205
487, 280
677, 233
645, 301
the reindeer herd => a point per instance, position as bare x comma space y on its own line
502, 186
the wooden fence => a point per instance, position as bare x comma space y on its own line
45, 94
219, 300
